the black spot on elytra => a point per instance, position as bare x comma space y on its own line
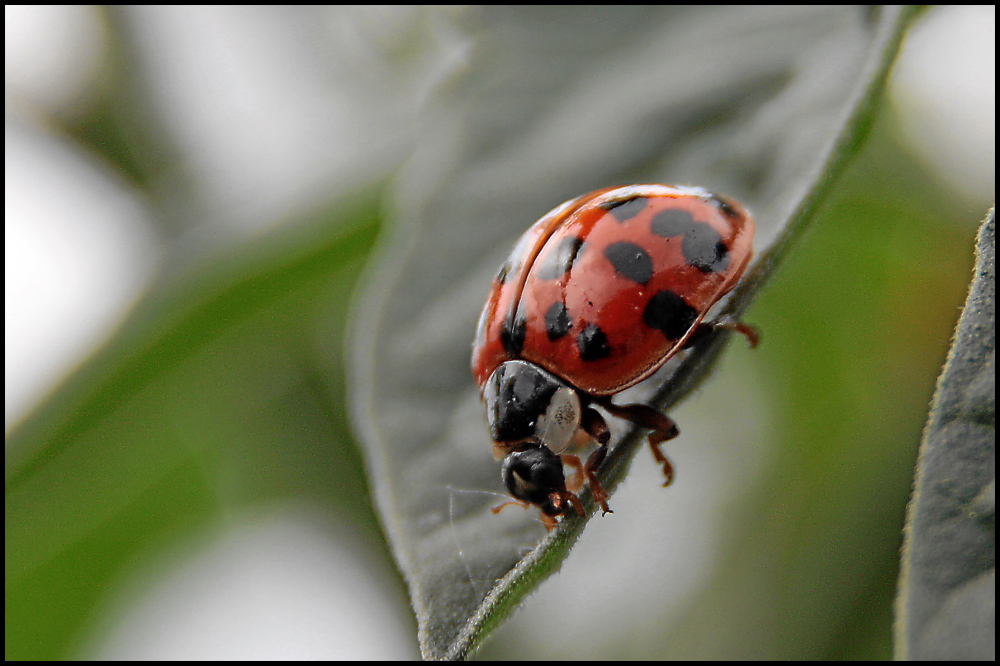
593, 343
702, 246
672, 222
625, 210
512, 335
557, 321
669, 313
706, 252
559, 259
630, 261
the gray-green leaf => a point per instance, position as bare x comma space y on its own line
946, 607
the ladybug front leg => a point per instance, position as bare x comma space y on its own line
662, 426
516, 502
550, 522
575, 482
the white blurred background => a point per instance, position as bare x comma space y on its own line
80, 248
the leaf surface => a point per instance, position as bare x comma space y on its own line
764, 105
946, 608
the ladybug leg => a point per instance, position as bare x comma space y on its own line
575, 482
655, 439
594, 425
520, 503
704, 329
550, 522
581, 472
662, 426
746, 330
600, 494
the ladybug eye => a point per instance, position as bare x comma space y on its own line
558, 425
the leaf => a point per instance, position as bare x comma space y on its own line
946, 608
219, 391
762, 104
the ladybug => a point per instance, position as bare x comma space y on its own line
595, 297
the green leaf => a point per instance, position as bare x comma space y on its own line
220, 391
765, 105
946, 608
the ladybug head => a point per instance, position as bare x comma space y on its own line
534, 474
526, 403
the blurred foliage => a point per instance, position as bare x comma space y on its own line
857, 325
226, 389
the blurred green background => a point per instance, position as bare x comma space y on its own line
191, 489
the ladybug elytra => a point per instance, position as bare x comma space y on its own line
596, 296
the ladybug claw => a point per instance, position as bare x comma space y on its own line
600, 497
668, 473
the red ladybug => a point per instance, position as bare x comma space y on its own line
594, 298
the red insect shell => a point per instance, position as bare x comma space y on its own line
603, 289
